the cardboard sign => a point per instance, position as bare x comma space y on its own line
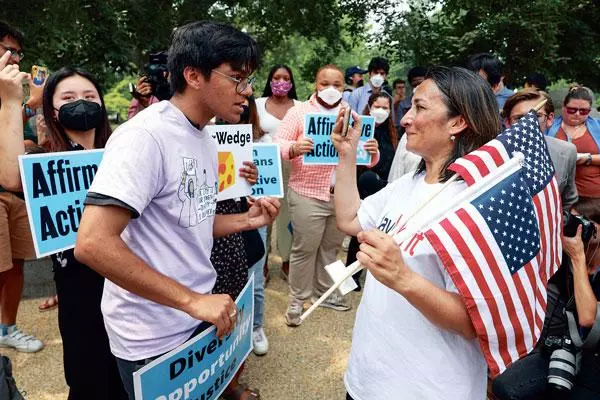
268, 161
202, 367
318, 127
55, 186
234, 144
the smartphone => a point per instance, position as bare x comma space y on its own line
346, 121
39, 75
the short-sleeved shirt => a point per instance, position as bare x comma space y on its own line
396, 351
587, 177
165, 170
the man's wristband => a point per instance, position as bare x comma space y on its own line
588, 161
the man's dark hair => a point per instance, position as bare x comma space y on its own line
415, 72
397, 81
205, 45
537, 80
7, 30
379, 63
527, 95
490, 64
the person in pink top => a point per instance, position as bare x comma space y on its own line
316, 238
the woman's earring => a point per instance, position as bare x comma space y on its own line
453, 138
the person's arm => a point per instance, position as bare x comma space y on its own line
292, 142
381, 256
569, 195
585, 300
11, 123
262, 212
99, 245
346, 198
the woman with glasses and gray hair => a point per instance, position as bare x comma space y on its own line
578, 127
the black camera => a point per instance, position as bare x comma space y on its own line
565, 362
572, 222
156, 75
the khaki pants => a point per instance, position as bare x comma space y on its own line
315, 245
284, 236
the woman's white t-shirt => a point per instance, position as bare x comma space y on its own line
268, 122
396, 351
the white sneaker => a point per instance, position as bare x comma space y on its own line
260, 342
20, 341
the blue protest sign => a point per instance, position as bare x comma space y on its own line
268, 161
55, 186
202, 367
318, 127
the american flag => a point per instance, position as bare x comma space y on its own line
501, 248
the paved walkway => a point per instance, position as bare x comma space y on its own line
304, 363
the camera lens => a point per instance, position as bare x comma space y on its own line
562, 370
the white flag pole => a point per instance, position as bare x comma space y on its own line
413, 227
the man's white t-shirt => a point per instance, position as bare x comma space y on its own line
164, 168
396, 351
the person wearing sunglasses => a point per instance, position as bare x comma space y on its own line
578, 127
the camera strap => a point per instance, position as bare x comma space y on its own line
593, 336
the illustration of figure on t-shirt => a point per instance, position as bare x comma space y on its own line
199, 201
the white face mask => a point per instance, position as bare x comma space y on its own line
377, 80
380, 115
330, 95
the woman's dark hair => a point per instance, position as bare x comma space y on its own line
268, 92
257, 133
390, 124
579, 93
467, 94
57, 137
205, 45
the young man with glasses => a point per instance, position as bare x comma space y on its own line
16, 244
563, 154
150, 219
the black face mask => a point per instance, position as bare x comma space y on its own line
80, 115
245, 115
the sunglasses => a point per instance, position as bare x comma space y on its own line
575, 110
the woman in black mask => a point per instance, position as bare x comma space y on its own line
76, 118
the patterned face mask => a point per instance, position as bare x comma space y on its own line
281, 88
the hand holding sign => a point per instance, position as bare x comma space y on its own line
346, 145
371, 146
249, 172
302, 146
213, 308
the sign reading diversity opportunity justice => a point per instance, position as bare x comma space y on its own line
318, 127
202, 367
268, 161
55, 186
234, 144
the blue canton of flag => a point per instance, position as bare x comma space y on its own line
509, 213
525, 137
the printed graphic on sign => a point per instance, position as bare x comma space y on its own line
226, 170
234, 144
198, 198
268, 161
318, 127
55, 186
202, 367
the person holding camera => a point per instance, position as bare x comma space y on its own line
142, 97
153, 86
563, 365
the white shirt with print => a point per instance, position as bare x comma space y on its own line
396, 351
163, 167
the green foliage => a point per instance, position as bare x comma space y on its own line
117, 99
112, 38
559, 38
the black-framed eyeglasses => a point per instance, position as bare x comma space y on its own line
240, 84
541, 117
14, 53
